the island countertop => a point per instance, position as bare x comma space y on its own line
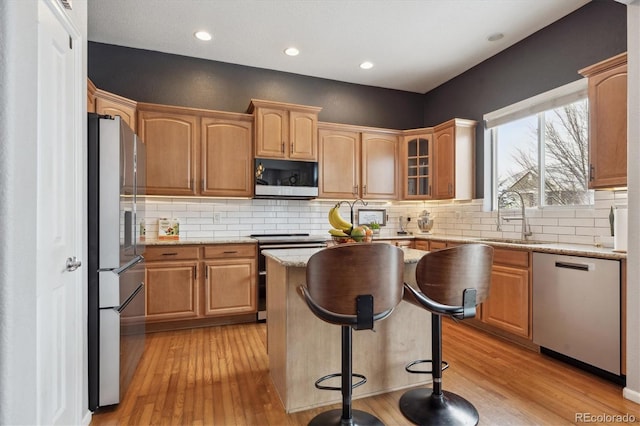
298, 258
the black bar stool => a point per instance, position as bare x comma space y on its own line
452, 282
352, 285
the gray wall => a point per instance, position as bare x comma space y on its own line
155, 77
543, 61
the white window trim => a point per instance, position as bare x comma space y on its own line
563, 95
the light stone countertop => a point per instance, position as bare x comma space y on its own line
541, 247
298, 258
217, 240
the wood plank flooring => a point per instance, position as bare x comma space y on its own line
219, 376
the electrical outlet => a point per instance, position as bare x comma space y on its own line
216, 218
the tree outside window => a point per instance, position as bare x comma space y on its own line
547, 150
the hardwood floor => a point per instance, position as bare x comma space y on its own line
219, 376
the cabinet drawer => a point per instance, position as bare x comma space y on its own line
511, 257
171, 252
229, 251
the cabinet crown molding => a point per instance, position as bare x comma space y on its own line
260, 103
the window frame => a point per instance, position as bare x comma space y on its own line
558, 97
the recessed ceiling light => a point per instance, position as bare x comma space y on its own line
366, 65
495, 37
202, 35
291, 51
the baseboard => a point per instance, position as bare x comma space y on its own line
86, 420
631, 395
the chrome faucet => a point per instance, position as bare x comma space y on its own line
526, 228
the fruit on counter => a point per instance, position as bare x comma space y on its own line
337, 221
338, 232
358, 233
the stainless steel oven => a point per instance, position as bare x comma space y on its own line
279, 242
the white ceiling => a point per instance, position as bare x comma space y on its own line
416, 45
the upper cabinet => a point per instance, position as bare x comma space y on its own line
439, 162
357, 162
454, 156
171, 136
607, 122
285, 131
196, 152
105, 103
417, 154
227, 157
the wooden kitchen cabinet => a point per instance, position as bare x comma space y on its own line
196, 285
110, 104
417, 155
171, 137
230, 280
197, 152
285, 131
421, 245
227, 157
454, 159
357, 162
607, 122
508, 306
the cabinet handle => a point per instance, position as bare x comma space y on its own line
195, 272
429, 190
282, 147
450, 188
230, 251
206, 273
291, 150
201, 184
592, 172
170, 254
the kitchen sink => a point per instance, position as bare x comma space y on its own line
510, 241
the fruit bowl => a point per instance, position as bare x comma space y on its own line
348, 239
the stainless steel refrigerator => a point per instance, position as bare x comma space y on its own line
116, 182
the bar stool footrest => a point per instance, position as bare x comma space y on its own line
408, 368
318, 382
334, 417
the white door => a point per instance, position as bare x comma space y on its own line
59, 222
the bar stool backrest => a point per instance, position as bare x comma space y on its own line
443, 275
338, 274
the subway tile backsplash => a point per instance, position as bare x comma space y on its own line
202, 218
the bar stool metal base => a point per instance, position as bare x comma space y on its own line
423, 407
334, 417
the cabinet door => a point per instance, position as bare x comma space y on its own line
226, 158
230, 287
418, 167
379, 162
444, 151
272, 132
171, 290
507, 306
437, 245
608, 128
110, 104
171, 142
339, 165
303, 131
421, 245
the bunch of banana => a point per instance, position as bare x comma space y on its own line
341, 227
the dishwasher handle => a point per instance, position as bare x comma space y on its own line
576, 266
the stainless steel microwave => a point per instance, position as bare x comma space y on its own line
285, 179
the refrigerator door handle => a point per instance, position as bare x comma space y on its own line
132, 296
128, 265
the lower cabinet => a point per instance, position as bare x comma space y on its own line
508, 306
190, 284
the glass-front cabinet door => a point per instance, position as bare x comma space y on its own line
418, 167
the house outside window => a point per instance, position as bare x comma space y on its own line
539, 149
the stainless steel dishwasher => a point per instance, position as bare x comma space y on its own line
576, 308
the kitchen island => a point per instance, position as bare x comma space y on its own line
302, 348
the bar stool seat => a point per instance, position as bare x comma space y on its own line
353, 286
452, 282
